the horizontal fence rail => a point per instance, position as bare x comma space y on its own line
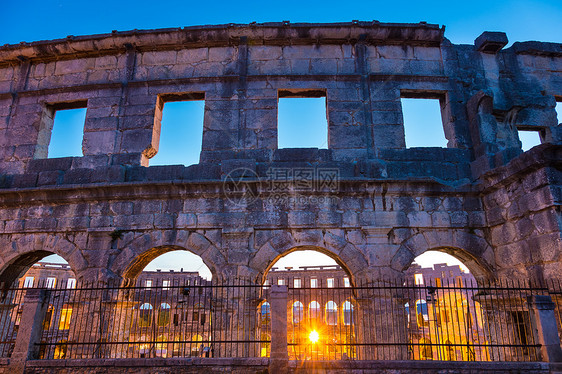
451, 321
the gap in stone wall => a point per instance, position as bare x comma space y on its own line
67, 133
529, 139
181, 133
302, 122
423, 125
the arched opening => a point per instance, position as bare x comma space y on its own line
443, 289
38, 269
298, 312
320, 302
170, 300
309, 259
167, 260
164, 314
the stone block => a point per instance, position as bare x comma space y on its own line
78, 176
134, 159
186, 220
49, 164
490, 42
164, 172
24, 180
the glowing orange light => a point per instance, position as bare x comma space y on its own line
313, 336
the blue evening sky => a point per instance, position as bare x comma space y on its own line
181, 127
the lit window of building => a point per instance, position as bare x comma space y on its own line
165, 285
28, 282
418, 279
330, 282
65, 315
313, 283
280, 282
51, 282
297, 283
437, 282
346, 282
71, 283
148, 283
331, 313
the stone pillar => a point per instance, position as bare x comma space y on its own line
545, 328
365, 310
122, 318
279, 358
31, 327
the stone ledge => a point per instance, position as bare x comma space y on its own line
224, 35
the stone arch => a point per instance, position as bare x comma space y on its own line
28, 249
140, 251
347, 255
470, 249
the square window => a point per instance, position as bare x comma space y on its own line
180, 121
302, 120
423, 125
148, 283
280, 282
418, 279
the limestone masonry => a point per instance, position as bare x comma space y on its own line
108, 214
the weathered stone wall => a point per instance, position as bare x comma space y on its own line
108, 214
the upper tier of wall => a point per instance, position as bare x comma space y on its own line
362, 68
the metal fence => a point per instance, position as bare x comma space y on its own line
398, 321
11, 306
384, 321
172, 320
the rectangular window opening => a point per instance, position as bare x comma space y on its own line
313, 283
529, 138
71, 283
181, 129
302, 120
28, 283
68, 129
423, 123
51, 282
558, 109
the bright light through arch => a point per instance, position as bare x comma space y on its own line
314, 336
430, 258
304, 258
178, 260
